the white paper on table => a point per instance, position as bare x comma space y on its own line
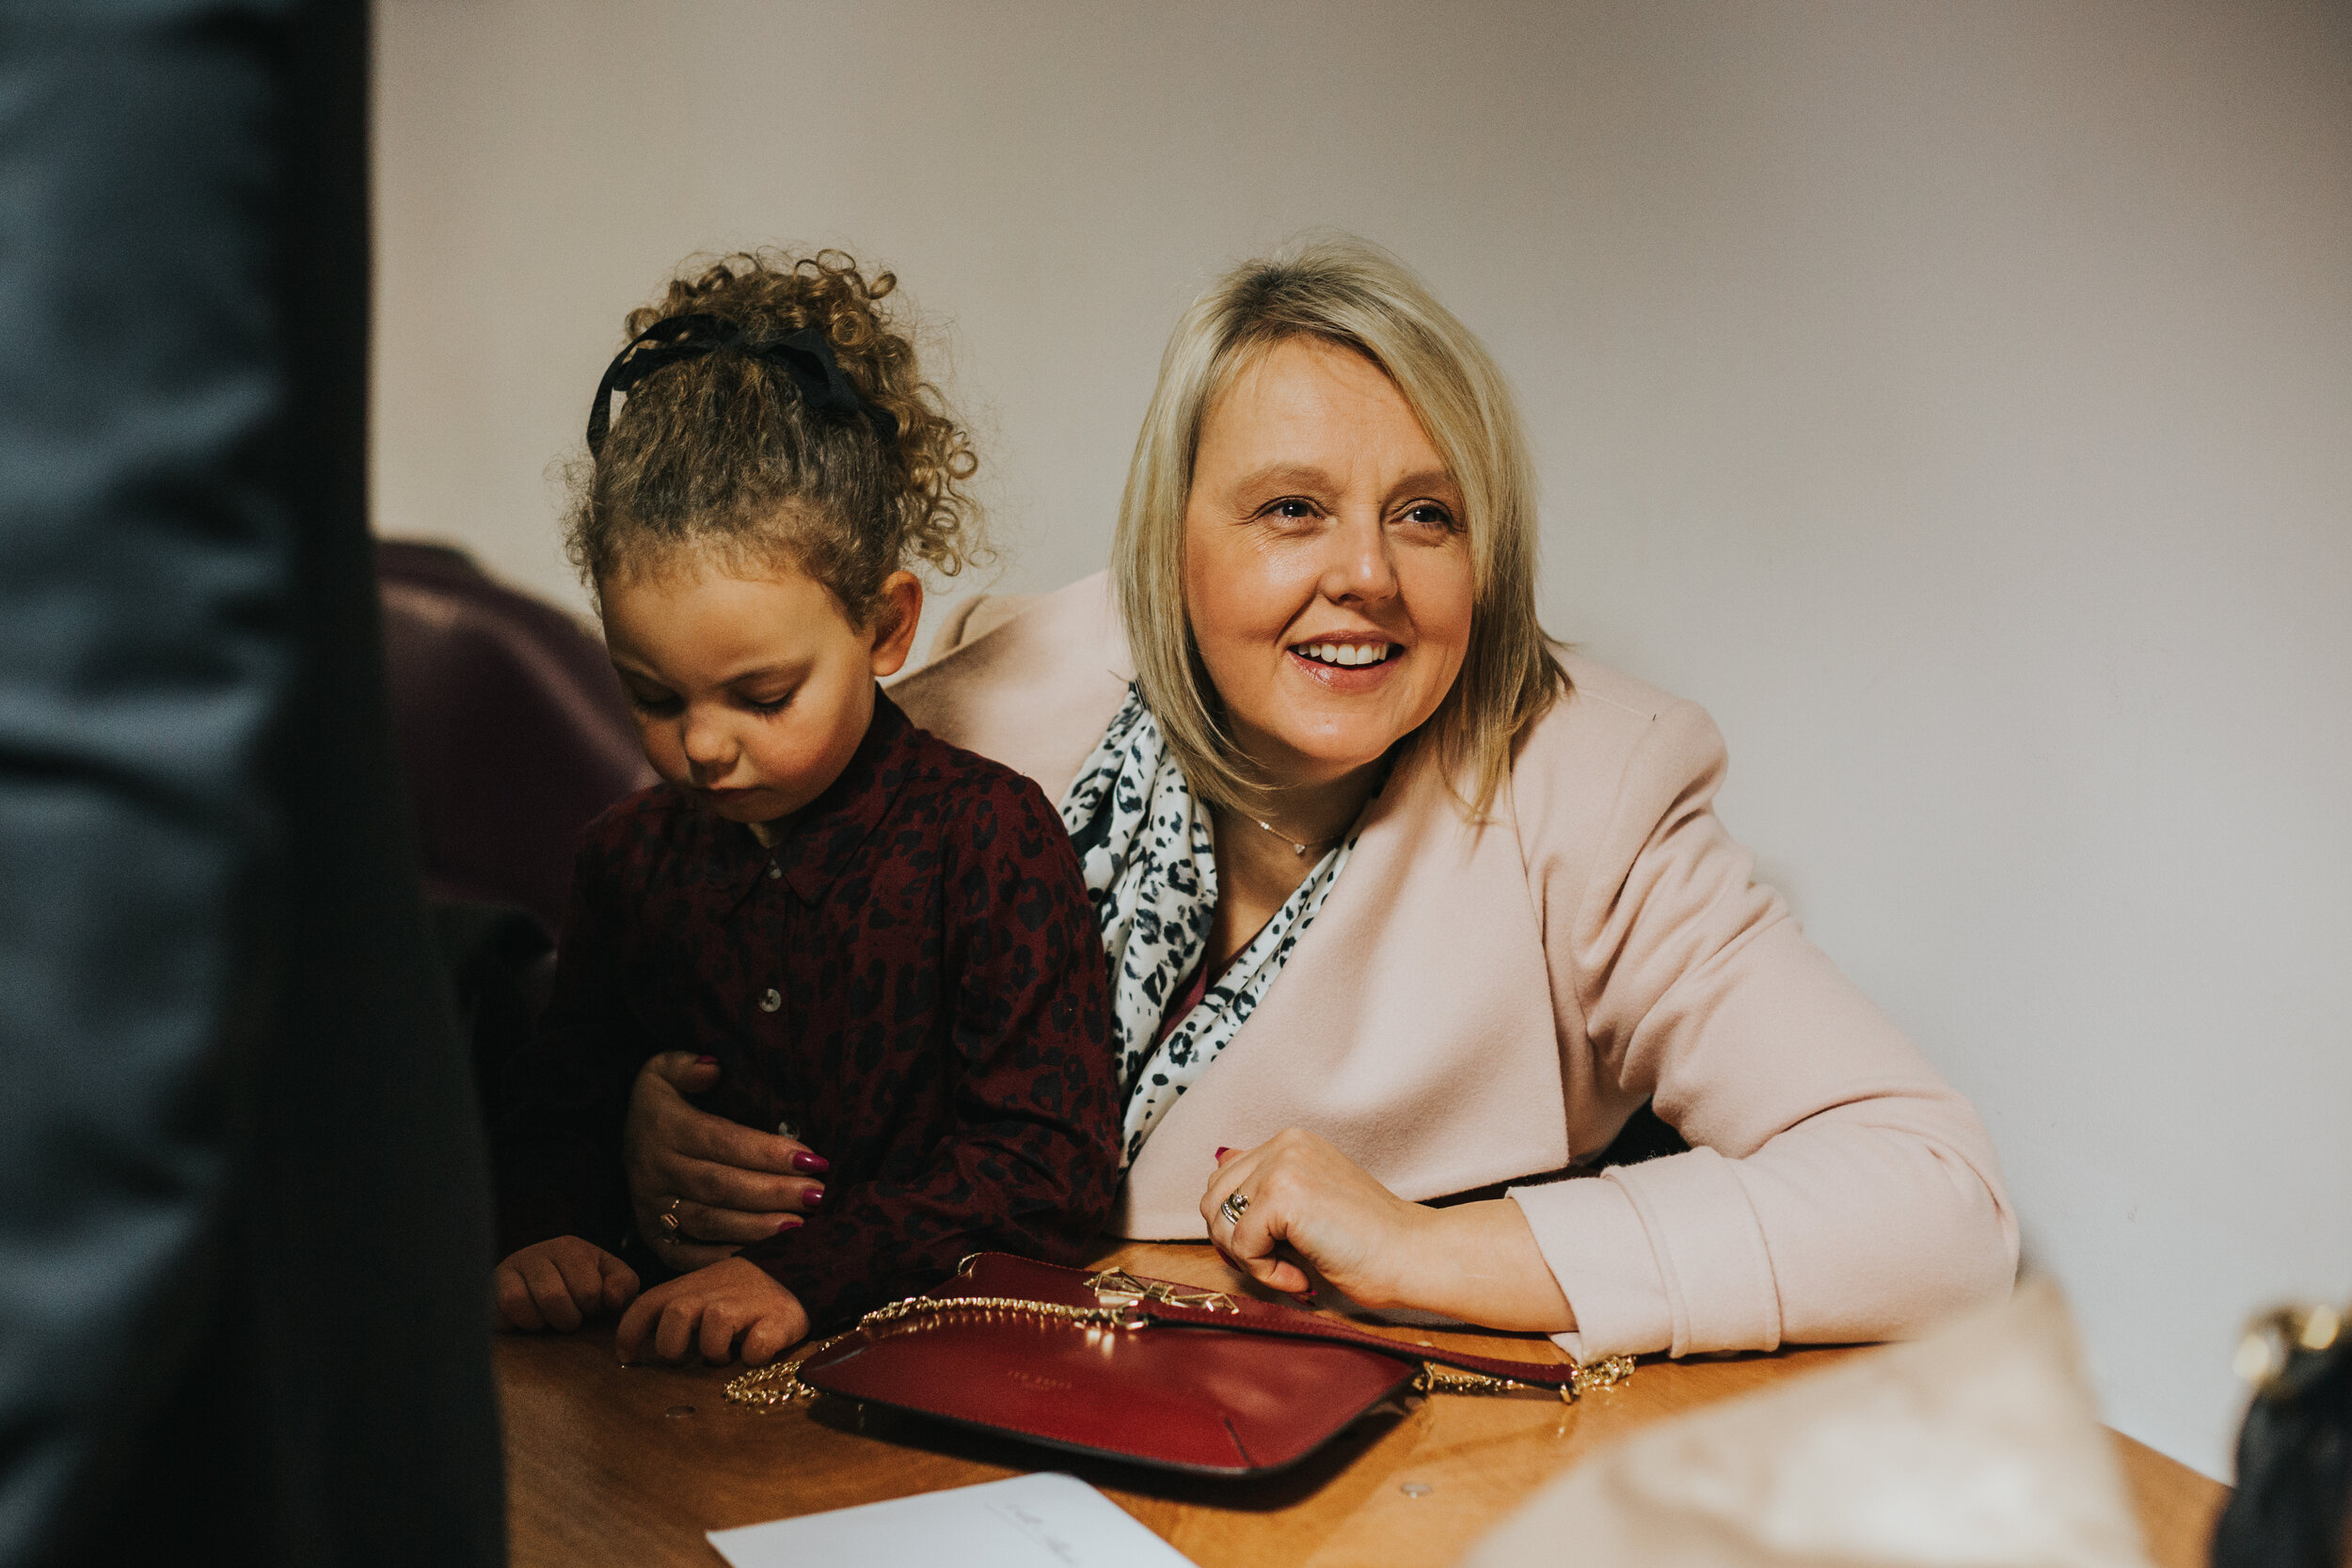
1041, 1521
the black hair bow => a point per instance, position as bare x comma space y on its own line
806, 356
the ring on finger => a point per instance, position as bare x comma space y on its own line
1234, 1207
669, 1219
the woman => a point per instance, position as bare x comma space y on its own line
1402, 903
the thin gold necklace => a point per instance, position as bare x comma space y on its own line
1296, 849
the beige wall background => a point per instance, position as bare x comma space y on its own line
1956, 399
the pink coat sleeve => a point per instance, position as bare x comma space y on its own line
1837, 1189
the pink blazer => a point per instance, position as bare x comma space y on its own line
1476, 1005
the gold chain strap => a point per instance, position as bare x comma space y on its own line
767, 1387
1605, 1373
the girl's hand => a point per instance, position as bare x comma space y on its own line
1477, 1262
732, 1307
726, 1184
558, 1284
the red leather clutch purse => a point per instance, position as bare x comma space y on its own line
1142, 1370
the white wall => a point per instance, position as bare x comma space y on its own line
1956, 399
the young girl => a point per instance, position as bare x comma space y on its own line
881, 942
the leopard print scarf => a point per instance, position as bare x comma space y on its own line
1150, 874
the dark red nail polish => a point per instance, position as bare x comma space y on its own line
813, 1198
705, 1061
1221, 1152
811, 1162
788, 1222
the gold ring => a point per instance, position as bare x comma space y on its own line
1234, 1207
669, 1219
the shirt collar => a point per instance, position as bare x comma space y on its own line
817, 843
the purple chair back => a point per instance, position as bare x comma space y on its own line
510, 724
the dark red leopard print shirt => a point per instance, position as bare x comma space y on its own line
912, 978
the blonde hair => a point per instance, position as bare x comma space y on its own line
1351, 292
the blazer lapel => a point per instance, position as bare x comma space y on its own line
1410, 1027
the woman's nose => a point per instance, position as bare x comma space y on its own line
1361, 566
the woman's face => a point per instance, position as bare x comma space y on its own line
1327, 568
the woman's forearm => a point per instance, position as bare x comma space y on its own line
1479, 1262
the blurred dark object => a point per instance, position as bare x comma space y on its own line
2294, 1454
245, 1247
500, 961
512, 728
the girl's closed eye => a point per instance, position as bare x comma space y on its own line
652, 699
760, 703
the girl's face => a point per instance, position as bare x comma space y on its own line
1326, 572
751, 692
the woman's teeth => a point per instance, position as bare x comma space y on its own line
1345, 655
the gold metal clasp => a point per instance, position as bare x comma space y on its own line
1118, 1288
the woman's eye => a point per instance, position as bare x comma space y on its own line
1292, 507
1429, 515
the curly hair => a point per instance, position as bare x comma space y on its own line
717, 452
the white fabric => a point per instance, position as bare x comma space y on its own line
1144, 843
1979, 1448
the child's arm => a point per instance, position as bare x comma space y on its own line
1032, 1164
557, 1284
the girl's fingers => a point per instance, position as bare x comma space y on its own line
766, 1339
717, 1335
628, 1340
550, 1294
513, 1299
676, 1337
620, 1282
582, 1272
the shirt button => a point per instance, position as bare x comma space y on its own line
787, 1129
774, 871
771, 999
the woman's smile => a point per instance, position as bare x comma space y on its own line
1347, 666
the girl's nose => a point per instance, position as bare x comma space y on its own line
706, 744
1360, 566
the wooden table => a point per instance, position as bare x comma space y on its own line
629, 1466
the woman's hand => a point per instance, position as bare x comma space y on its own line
728, 1309
1477, 1262
727, 1184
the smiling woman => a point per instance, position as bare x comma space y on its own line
1324, 548
1403, 905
